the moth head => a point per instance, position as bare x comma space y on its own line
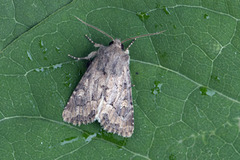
117, 43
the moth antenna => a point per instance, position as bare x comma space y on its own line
99, 30
145, 35
130, 44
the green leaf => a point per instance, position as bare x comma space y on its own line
186, 80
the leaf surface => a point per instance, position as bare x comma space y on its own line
186, 80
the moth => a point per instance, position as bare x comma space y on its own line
104, 93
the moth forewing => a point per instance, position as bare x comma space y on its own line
104, 93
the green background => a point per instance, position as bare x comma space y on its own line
186, 90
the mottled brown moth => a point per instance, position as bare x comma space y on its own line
104, 93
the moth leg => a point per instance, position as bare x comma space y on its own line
95, 44
91, 55
131, 44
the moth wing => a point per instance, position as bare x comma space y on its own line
82, 105
116, 114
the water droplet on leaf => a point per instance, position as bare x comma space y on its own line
210, 92
206, 16
57, 49
69, 140
143, 16
206, 92
216, 78
165, 9
157, 87
41, 44
44, 50
203, 90
90, 137
29, 55
57, 66
39, 69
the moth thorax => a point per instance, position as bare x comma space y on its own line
117, 43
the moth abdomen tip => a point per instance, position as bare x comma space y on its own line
85, 122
